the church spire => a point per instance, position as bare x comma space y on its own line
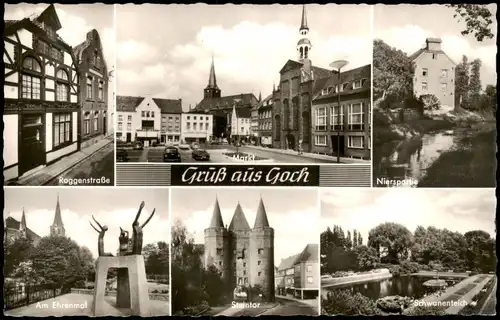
216, 221
261, 217
303, 24
57, 228
212, 90
24, 225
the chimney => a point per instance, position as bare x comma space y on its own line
433, 44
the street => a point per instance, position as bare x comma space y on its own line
291, 308
156, 155
99, 165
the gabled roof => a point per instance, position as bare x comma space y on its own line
216, 221
169, 105
239, 221
48, 15
11, 223
243, 113
264, 102
318, 72
261, 217
348, 77
309, 254
243, 99
128, 103
288, 263
421, 51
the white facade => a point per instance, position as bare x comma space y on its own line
196, 127
126, 125
240, 126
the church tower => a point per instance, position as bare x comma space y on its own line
217, 244
304, 45
262, 254
212, 90
57, 227
23, 227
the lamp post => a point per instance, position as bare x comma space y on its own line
338, 65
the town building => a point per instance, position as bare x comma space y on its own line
434, 73
220, 107
240, 124
93, 82
265, 121
298, 275
14, 229
292, 99
196, 127
347, 129
41, 107
243, 255
148, 120
254, 124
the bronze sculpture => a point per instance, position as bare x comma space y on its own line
101, 238
124, 242
137, 231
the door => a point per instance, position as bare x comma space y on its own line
129, 136
290, 141
32, 153
336, 143
104, 126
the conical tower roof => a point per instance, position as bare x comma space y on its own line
239, 221
261, 217
23, 221
303, 23
212, 80
57, 216
216, 221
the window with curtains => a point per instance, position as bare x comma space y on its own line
90, 87
62, 85
95, 122
86, 123
355, 121
337, 117
31, 79
320, 140
62, 129
356, 142
101, 91
320, 123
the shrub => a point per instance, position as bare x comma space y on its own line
408, 267
431, 102
344, 302
425, 311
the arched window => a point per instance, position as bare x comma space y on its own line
62, 85
301, 50
306, 51
286, 114
31, 79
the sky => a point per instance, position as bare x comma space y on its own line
406, 27
362, 209
114, 207
169, 56
293, 213
76, 22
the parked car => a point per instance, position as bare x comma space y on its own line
176, 143
240, 294
200, 154
138, 146
121, 155
171, 154
184, 146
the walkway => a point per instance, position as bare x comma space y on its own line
249, 312
468, 296
314, 303
489, 307
46, 174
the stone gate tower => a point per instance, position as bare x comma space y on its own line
243, 256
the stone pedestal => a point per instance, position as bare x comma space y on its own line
131, 288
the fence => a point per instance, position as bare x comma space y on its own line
19, 295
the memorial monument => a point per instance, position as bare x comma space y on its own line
132, 288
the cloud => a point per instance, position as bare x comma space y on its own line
287, 226
455, 46
78, 228
248, 57
459, 210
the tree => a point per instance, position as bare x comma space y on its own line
462, 83
392, 241
27, 273
88, 263
392, 72
354, 238
15, 252
475, 83
157, 258
478, 20
366, 258
349, 243
480, 251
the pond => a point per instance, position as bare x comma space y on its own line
406, 286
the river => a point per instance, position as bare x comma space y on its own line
405, 286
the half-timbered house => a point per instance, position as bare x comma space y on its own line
41, 106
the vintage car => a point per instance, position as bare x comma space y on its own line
240, 294
200, 154
171, 154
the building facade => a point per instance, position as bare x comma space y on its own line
347, 129
41, 108
93, 82
126, 118
196, 127
244, 256
170, 127
220, 107
434, 73
285, 280
265, 121
254, 124
293, 98
14, 229
240, 124
306, 273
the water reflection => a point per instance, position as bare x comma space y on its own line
407, 286
410, 159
